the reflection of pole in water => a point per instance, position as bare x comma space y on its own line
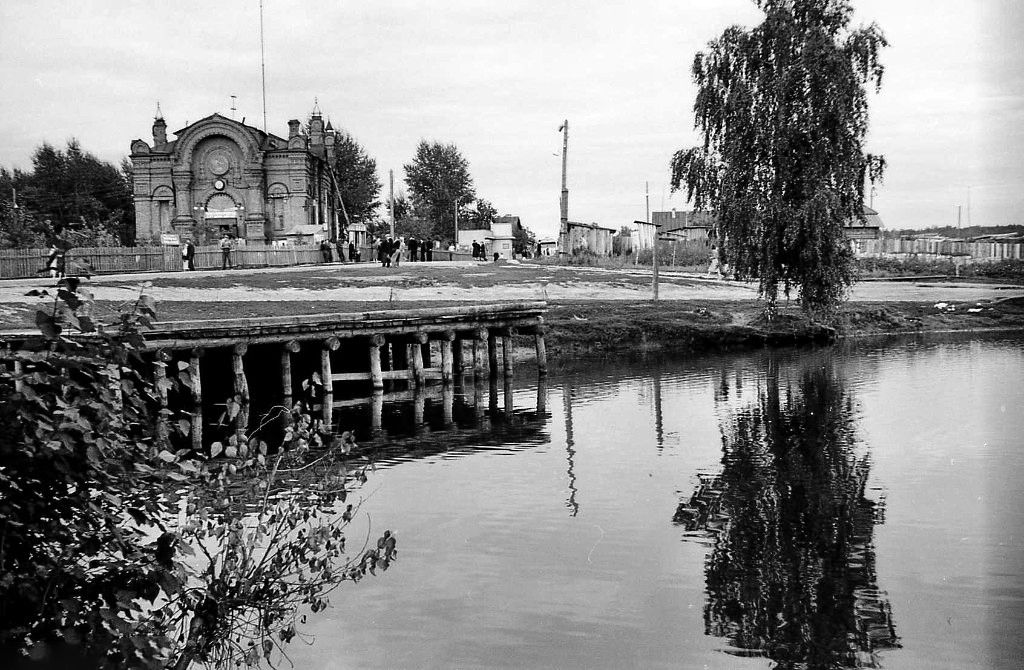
659, 423
419, 404
448, 402
509, 397
542, 395
570, 451
376, 411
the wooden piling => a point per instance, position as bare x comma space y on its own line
160, 383
241, 384
447, 367
492, 353
329, 345
416, 358
241, 387
195, 381
507, 353
479, 345
458, 364
376, 373
542, 354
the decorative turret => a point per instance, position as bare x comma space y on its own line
329, 140
159, 128
293, 128
316, 125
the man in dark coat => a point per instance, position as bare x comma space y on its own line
188, 255
413, 246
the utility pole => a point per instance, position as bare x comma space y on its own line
563, 230
456, 242
647, 198
656, 235
959, 211
263, 70
391, 199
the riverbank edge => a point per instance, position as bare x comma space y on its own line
602, 329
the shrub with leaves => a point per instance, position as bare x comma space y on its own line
116, 551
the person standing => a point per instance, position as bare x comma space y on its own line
476, 250
55, 261
413, 246
339, 246
397, 247
352, 255
188, 255
225, 252
429, 249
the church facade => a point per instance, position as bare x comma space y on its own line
222, 176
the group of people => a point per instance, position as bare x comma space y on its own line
392, 250
328, 248
479, 250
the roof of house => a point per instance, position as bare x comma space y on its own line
669, 221
592, 226
509, 218
871, 220
306, 229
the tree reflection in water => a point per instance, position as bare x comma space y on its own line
791, 575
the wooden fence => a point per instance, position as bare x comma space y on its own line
21, 263
966, 252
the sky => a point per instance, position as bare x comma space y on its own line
497, 79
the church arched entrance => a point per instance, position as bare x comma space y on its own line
222, 214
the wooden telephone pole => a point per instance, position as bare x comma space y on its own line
391, 198
563, 230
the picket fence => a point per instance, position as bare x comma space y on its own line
966, 252
22, 263
15, 263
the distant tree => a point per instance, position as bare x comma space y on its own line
87, 200
438, 178
523, 239
783, 112
19, 227
356, 173
480, 217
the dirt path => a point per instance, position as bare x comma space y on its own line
427, 282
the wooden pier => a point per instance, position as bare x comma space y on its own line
362, 351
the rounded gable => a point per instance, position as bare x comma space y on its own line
192, 136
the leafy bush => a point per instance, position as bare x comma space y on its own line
119, 552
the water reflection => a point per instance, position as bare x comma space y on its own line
791, 574
450, 419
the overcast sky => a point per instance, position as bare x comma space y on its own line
497, 79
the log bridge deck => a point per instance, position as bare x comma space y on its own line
398, 346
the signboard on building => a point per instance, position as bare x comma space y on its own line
170, 239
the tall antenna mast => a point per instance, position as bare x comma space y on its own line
563, 229
233, 107
263, 70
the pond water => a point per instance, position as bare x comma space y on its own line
856, 506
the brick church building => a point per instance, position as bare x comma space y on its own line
220, 175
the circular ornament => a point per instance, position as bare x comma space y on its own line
219, 184
218, 162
